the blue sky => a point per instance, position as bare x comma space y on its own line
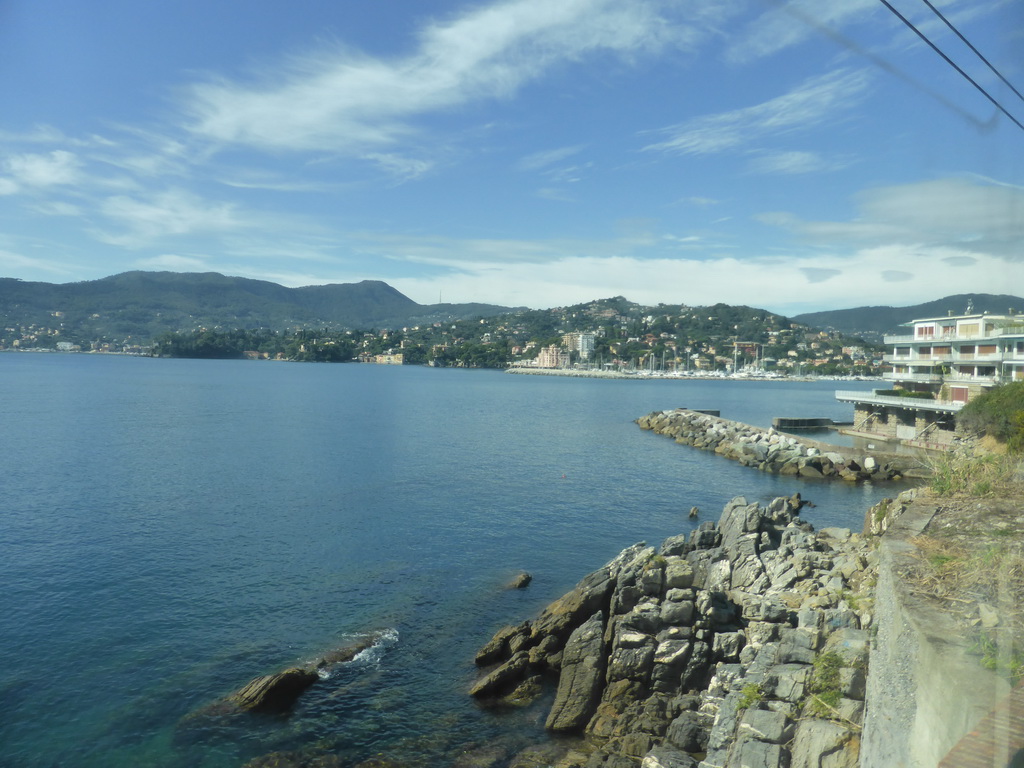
794, 156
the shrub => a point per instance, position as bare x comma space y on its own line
751, 696
906, 393
998, 413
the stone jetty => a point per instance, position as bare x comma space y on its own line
776, 452
742, 644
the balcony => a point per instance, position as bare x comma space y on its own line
917, 359
1010, 330
970, 377
921, 378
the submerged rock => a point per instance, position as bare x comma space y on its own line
521, 581
274, 693
279, 691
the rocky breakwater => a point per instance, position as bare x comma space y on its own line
740, 645
772, 451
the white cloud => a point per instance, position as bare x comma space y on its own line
816, 101
342, 100
948, 212
399, 167
174, 263
171, 213
12, 262
58, 208
793, 22
793, 163
540, 160
789, 286
33, 170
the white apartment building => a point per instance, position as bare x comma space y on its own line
580, 342
954, 359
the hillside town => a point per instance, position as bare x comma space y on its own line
610, 335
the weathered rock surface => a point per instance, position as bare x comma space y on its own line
279, 691
707, 644
582, 677
768, 450
275, 692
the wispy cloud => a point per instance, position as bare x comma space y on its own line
346, 101
793, 22
174, 212
398, 166
541, 160
42, 170
794, 163
174, 263
816, 101
951, 213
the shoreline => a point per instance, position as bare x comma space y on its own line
661, 376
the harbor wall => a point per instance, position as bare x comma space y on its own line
779, 453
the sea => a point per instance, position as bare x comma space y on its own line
172, 529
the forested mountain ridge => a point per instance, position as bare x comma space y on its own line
144, 305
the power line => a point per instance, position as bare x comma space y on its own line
951, 63
977, 53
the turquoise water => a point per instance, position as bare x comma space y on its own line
171, 529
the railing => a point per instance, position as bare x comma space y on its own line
956, 357
906, 402
926, 378
1009, 330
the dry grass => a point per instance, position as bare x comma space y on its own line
985, 474
977, 575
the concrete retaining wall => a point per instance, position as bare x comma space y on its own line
925, 690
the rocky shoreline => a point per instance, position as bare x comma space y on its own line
776, 452
742, 644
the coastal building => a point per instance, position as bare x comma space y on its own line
583, 343
552, 357
938, 365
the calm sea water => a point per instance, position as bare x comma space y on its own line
170, 529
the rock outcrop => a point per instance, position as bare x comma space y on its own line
772, 451
279, 691
274, 693
740, 643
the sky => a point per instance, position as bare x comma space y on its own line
793, 156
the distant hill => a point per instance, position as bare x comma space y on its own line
144, 305
873, 322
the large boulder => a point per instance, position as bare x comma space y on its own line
274, 693
582, 677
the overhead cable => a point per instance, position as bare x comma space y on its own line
951, 63
977, 53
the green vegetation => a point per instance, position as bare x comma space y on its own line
906, 393
303, 346
998, 413
1008, 662
882, 510
826, 684
980, 475
750, 696
213, 316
